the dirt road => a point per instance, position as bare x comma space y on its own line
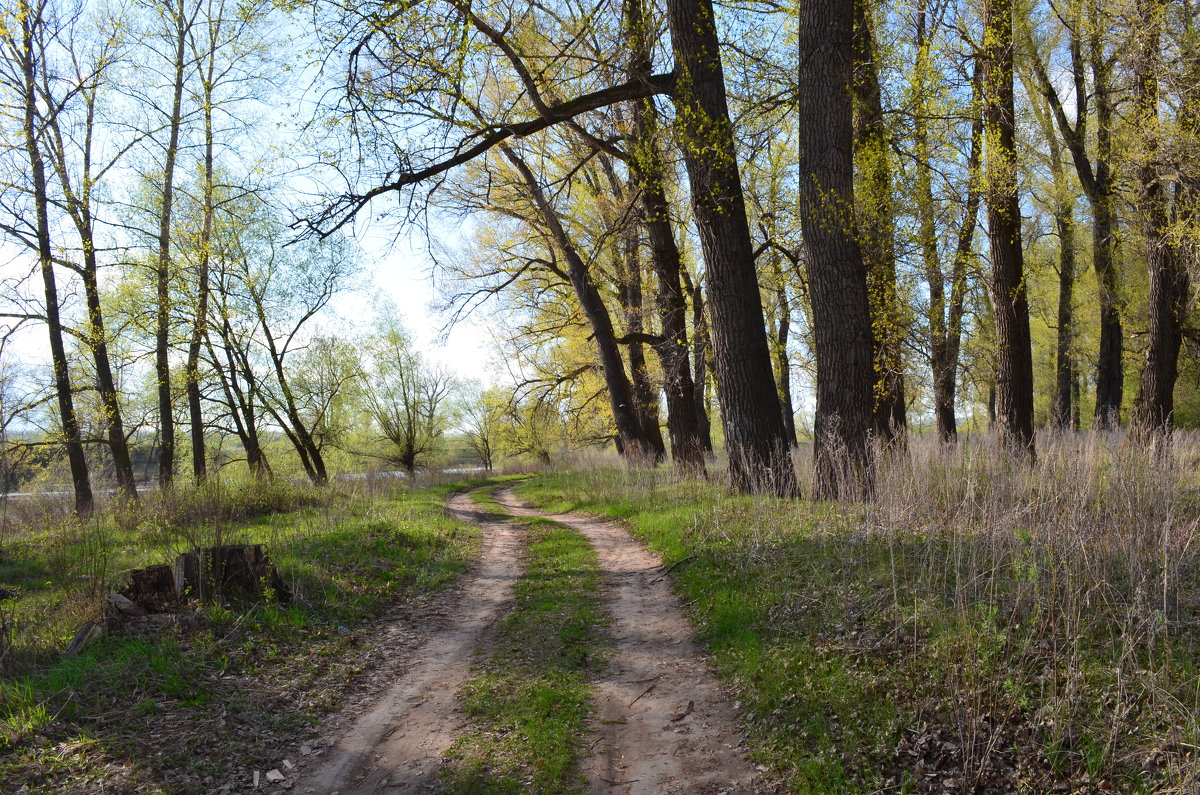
396, 746
662, 724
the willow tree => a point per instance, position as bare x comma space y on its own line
404, 63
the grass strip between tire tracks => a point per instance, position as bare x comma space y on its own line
530, 699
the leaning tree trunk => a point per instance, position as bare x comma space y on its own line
1014, 365
620, 392
30, 22
837, 277
648, 170
759, 458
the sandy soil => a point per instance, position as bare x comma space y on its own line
396, 743
663, 725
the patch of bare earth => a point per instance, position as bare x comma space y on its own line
394, 741
663, 724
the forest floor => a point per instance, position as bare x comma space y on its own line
661, 723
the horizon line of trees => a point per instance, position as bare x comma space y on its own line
675, 209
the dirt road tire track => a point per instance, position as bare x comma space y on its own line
663, 724
397, 745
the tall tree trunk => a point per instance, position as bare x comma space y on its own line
837, 277
759, 458
620, 393
945, 312
162, 329
783, 362
1097, 181
876, 220
1014, 365
1063, 407
1063, 210
1155, 405
200, 322
31, 22
648, 170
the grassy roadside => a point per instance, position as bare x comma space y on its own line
191, 711
982, 645
529, 700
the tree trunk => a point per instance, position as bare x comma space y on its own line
1014, 365
646, 166
759, 458
162, 364
837, 278
1155, 405
31, 22
192, 368
612, 365
945, 313
700, 349
876, 221
1064, 368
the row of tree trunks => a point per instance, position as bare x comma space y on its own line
1097, 180
630, 435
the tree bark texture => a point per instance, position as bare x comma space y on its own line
1155, 404
837, 276
875, 219
648, 170
759, 458
1014, 365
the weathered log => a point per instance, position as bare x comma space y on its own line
230, 571
89, 632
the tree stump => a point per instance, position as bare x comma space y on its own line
152, 588
235, 570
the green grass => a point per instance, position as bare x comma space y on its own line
127, 699
529, 700
857, 651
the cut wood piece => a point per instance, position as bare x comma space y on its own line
89, 632
228, 571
